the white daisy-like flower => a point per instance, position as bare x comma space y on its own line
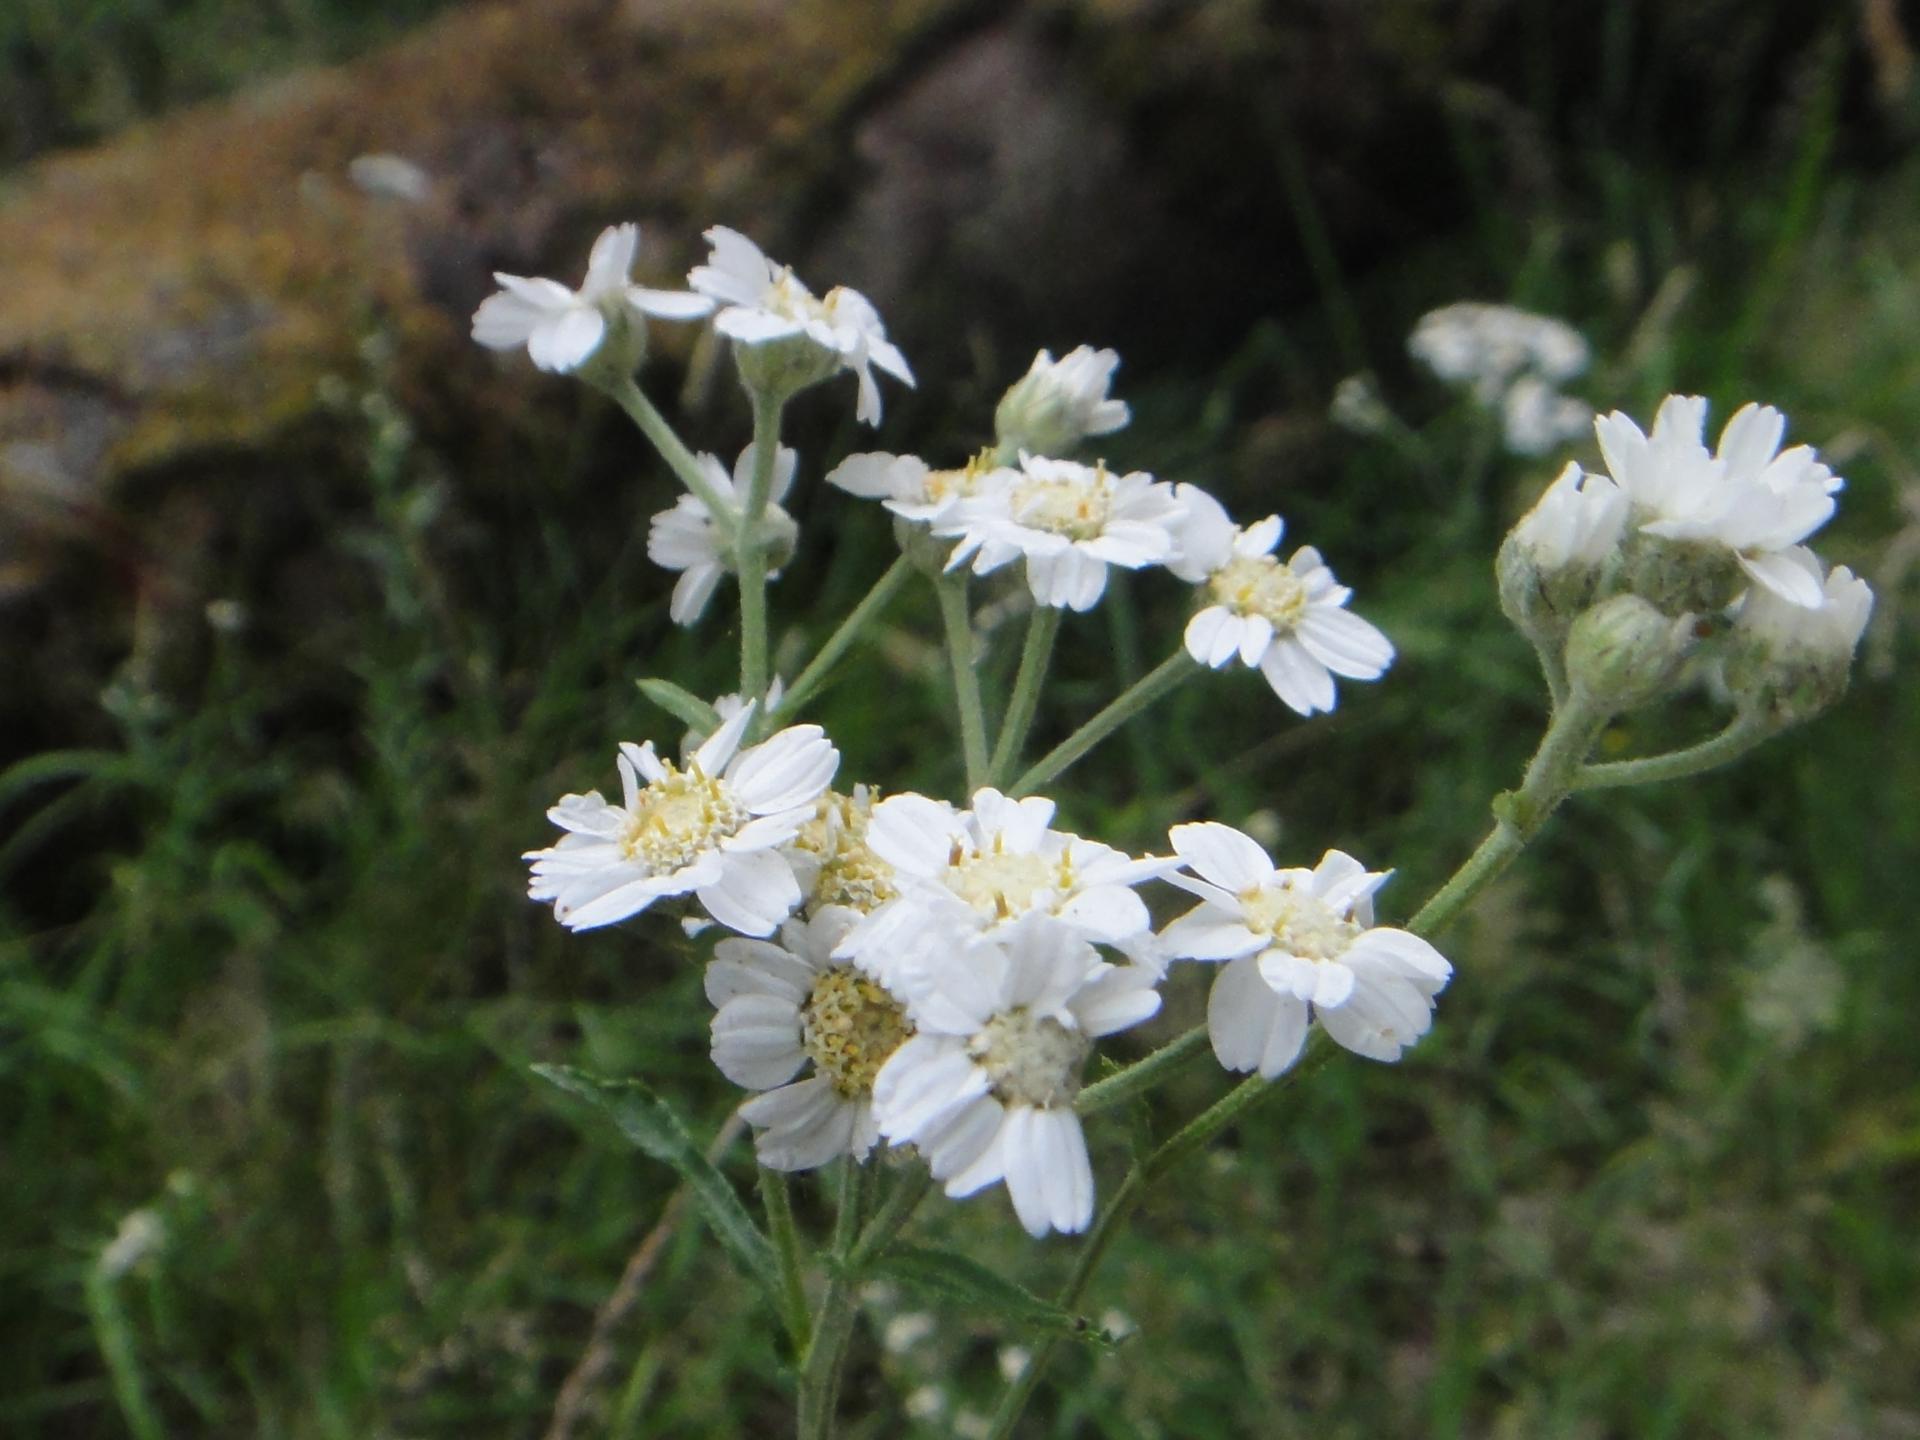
1489, 347
1299, 945
562, 328
1289, 621
762, 303
785, 1006
1059, 403
1576, 523
913, 490
957, 870
686, 538
1069, 521
713, 830
986, 1088
1749, 496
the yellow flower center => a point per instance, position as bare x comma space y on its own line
849, 1027
999, 884
1031, 1059
1299, 924
850, 873
677, 817
1260, 585
1072, 506
944, 485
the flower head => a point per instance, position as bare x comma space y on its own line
1789, 661
1749, 497
1299, 945
1069, 521
686, 538
832, 859
786, 1006
1059, 403
1289, 621
986, 1087
713, 830
562, 328
1490, 346
786, 338
911, 489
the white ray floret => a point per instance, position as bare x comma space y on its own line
712, 830
762, 303
686, 538
1289, 621
1069, 521
961, 870
1823, 633
788, 1006
1749, 495
913, 490
562, 328
1576, 524
986, 1087
1299, 945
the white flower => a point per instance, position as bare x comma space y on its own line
686, 538
1356, 406
986, 1088
910, 489
713, 829
1828, 631
1299, 944
1059, 403
960, 870
761, 303
1289, 620
832, 859
1070, 521
1578, 522
782, 1006
1749, 496
1490, 346
1535, 417
561, 328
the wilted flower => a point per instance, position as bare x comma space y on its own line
562, 328
686, 538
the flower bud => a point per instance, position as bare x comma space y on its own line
1623, 653
1059, 403
1786, 662
1550, 564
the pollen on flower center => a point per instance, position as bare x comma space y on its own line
1003, 884
1260, 585
849, 1027
1031, 1059
1299, 924
850, 873
678, 816
1076, 508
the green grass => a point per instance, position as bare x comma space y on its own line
269, 980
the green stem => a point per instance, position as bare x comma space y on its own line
115, 1337
890, 1219
833, 1324
1144, 1073
1035, 656
683, 461
1729, 745
876, 600
954, 616
750, 546
778, 1201
1156, 683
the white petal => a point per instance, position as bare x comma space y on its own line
1344, 643
1208, 932
1787, 576
1250, 1026
753, 893
788, 769
1297, 678
565, 341
756, 1041
668, 304
1232, 860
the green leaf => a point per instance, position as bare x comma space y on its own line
651, 1124
681, 704
945, 1275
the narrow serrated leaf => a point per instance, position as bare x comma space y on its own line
952, 1277
653, 1127
682, 704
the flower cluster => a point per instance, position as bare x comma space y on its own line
1513, 362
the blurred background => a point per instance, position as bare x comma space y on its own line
309, 607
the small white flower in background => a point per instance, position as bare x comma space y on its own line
1059, 403
957, 870
1288, 621
562, 328
1577, 523
1357, 406
986, 1088
762, 303
713, 830
911, 489
1537, 418
686, 538
1069, 521
1749, 496
1488, 347
1299, 945
782, 1006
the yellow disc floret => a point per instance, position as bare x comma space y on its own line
849, 1027
1298, 923
1076, 506
677, 817
1260, 585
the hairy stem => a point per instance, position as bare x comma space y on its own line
674, 451
1035, 656
777, 1199
833, 1323
864, 614
1729, 745
1156, 683
1145, 1073
750, 547
954, 616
